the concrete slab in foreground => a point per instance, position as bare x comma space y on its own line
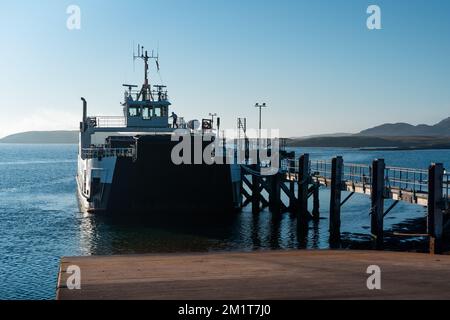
258, 275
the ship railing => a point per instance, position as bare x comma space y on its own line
100, 152
107, 122
156, 95
160, 95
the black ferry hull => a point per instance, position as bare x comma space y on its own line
150, 184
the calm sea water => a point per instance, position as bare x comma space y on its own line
40, 221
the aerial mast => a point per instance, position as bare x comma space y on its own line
146, 88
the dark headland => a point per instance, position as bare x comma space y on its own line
390, 136
371, 143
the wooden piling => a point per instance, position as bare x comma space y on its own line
377, 203
242, 189
236, 151
275, 193
335, 199
224, 150
316, 202
292, 201
303, 182
435, 219
256, 183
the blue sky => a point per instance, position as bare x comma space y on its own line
314, 63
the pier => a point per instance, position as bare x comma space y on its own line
291, 275
302, 178
284, 275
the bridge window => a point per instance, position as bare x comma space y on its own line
157, 112
146, 113
164, 112
134, 112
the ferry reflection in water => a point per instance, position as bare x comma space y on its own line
101, 235
243, 231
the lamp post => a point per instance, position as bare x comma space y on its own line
260, 106
212, 115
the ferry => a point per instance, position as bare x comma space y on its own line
125, 165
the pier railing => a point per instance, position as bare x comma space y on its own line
320, 168
357, 173
447, 190
299, 180
414, 180
93, 153
405, 179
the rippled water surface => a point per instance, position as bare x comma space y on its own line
40, 222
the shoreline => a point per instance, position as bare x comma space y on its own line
402, 148
365, 149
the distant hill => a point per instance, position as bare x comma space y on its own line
407, 130
326, 135
397, 135
357, 141
43, 137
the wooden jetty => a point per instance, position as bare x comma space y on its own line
300, 179
262, 275
292, 274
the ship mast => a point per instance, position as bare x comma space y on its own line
145, 92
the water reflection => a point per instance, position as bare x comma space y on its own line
243, 231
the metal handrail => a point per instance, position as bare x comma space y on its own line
107, 122
407, 169
357, 173
415, 180
405, 179
446, 189
163, 95
320, 168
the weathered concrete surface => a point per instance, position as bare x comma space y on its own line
258, 275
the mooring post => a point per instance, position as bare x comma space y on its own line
292, 202
275, 193
224, 150
435, 219
241, 187
256, 193
377, 203
235, 153
337, 166
303, 183
316, 202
